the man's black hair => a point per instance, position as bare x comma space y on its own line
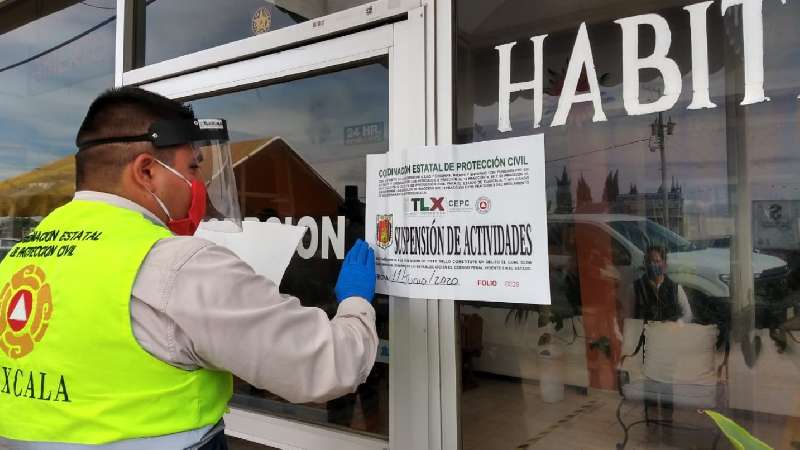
661, 250
102, 122
125, 111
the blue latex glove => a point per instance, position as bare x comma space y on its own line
357, 277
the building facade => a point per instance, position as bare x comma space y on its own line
690, 107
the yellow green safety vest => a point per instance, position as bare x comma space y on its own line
72, 370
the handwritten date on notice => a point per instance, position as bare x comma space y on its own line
402, 276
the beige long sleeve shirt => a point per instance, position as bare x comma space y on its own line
196, 304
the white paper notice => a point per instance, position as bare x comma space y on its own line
465, 222
267, 247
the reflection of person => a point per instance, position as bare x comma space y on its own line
133, 337
658, 298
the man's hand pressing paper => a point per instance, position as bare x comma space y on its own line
357, 277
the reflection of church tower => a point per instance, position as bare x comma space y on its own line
611, 187
563, 193
584, 193
651, 205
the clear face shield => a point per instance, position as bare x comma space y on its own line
222, 201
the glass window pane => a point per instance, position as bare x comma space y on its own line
215, 23
55, 57
685, 228
299, 149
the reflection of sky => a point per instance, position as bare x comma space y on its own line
696, 154
211, 24
42, 102
311, 115
44, 33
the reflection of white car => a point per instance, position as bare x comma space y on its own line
698, 270
6, 244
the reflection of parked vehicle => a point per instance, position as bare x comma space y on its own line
6, 244
700, 270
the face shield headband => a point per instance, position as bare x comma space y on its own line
169, 133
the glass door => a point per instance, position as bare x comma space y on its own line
299, 151
302, 122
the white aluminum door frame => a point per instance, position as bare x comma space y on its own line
413, 374
318, 28
414, 404
449, 349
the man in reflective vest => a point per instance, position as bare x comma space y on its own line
119, 330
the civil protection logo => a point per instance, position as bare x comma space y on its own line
483, 205
383, 236
26, 305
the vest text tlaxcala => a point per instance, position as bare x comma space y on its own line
20, 383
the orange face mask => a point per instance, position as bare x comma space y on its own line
197, 208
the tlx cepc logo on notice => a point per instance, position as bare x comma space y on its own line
427, 204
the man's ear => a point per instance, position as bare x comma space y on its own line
142, 170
